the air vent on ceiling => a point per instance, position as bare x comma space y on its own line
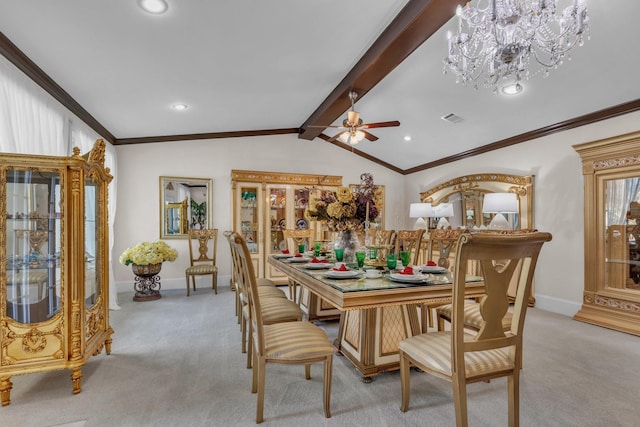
452, 118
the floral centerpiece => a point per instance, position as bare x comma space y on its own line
148, 253
347, 211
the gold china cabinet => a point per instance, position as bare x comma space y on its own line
611, 169
265, 203
53, 259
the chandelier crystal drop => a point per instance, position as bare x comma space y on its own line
501, 42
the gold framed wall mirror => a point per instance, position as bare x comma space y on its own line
466, 194
185, 204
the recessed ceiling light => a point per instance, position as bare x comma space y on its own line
512, 89
154, 6
179, 107
407, 138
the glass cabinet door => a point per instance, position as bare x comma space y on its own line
301, 199
277, 219
249, 215
32, 244
92, 283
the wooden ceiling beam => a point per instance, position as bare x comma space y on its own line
415, 23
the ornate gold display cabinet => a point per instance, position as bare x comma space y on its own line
54, 291
611, 169
265, 203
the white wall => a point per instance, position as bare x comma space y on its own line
139, 167
556, 166
558, 203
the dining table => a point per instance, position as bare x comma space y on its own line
375, 313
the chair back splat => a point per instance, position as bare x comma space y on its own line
494, 351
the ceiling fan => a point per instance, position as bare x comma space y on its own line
354, 128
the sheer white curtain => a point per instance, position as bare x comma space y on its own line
620, 193
32, 122
84, 138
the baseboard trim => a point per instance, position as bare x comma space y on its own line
557, 305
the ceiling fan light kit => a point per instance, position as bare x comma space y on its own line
354, 127
501, 42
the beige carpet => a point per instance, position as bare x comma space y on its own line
177, 362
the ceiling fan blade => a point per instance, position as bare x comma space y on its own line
381, 124
371, 137
327, 126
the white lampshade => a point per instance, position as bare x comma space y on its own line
420, 210
500, 203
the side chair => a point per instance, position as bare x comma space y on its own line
285, 343
463, 358
276, 308
203, 247
409, 240
296, 237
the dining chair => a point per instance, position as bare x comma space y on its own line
440, 243
472, 316
203, 247
277, 307
293, 238
409, 240
267, 287
464, 358
285, 343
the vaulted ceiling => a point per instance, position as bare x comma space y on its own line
262, 68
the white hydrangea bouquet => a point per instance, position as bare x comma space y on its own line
147, 253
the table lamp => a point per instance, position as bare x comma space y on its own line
420, 211
443, 211
500, 203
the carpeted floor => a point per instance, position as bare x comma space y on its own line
177, 362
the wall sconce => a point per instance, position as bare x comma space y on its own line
420, 211
443, 211
500, 203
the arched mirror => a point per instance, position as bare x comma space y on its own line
185, 203
466, 195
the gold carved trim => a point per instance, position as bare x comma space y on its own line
470, 181
614, 303
617, 162
285, 178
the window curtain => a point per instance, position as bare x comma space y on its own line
620, 194
32, 122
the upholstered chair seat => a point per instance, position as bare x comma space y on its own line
472, 316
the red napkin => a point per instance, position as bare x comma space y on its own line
341, 268
407, 270
298, 255
285, 251
431, 263
316, 260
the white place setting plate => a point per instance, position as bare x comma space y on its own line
432, 269
299, 259
334, 274
318, 265
407, 278
279, 256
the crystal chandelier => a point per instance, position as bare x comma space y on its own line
501, 42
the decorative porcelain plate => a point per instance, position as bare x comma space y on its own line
299, 259
349, 274
432, 269
318, 265
283, 256
407, 278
